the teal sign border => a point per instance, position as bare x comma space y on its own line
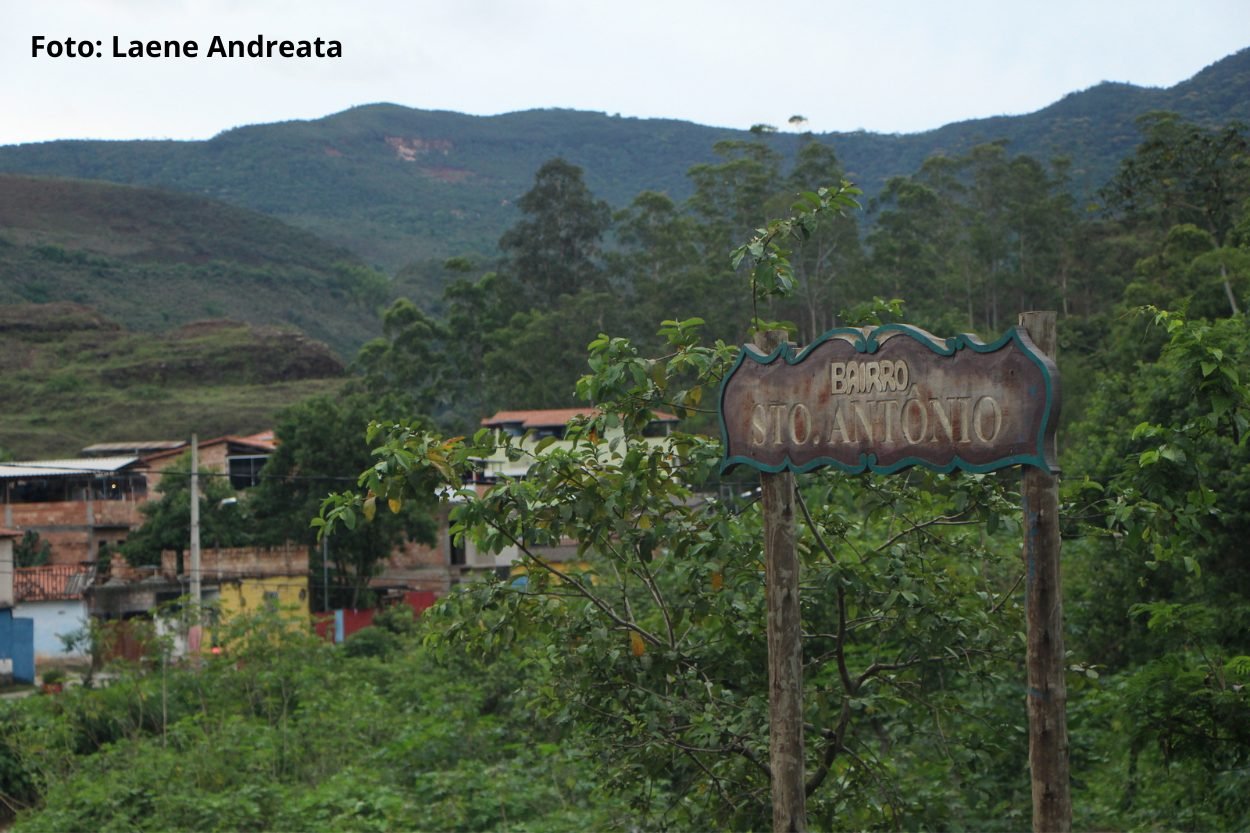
868, 341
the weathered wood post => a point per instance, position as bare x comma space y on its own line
1047, 691
785, 642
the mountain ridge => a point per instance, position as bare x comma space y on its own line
399, 185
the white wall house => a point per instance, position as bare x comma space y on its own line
53, 598
532, 427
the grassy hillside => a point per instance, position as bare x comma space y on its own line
399, 186
70, 377
153, 260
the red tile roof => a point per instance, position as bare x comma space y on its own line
51, 583
552, 417
263, 441
539, 419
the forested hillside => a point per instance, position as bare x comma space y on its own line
401, 186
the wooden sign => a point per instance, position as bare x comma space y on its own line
882, 399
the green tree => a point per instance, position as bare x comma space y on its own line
536, 359
414, 361
554, 249
826, 264
167, 520
287, 732
31, 550
985, 232
320, 444
730, 200
657, 264
1184, 173
1158, 582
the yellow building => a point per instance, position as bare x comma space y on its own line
245, 594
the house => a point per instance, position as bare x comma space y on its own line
239, 457
85, 507
530, 427
53, 597
244, 579
80, 506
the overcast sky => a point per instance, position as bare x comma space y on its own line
878, 65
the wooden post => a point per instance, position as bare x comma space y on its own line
1047, 691
785, 643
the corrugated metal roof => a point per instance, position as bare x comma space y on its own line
135, 447
64, 468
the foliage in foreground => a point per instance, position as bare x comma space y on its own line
653, 645
289, 733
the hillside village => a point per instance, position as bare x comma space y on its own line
602, 661
81, 510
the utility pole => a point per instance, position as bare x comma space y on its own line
785, 641
1047, 691
195, 523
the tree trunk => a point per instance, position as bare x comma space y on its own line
1228, 289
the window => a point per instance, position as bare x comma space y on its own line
657, 429
245, 470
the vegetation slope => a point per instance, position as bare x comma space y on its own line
398, 185
70, 377
153, 260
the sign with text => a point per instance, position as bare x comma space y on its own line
885, 398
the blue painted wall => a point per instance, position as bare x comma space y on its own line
17, 642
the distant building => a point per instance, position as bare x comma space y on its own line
239, 457
85, 507
79, 506
530, 427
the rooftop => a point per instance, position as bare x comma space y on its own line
551, 417
50, 583
135, 447
77, 466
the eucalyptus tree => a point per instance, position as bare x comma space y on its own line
1187, 174
827, 265
554, 249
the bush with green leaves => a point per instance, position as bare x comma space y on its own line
286, 732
